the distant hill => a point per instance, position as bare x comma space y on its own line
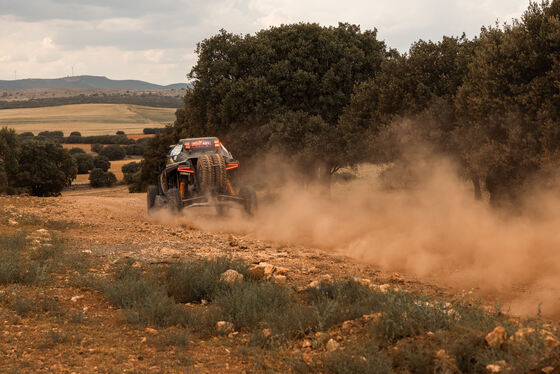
85, 81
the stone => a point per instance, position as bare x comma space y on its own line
149, 330
281, 270
496, 337
268, 268
397, 278
497, 367
551, 342
362, 281
267, 333
306, 343
224, 327
332, 345
256, 273
12, 222
547, 369
347, 325
520, 335
313, 284
374, 317
231, 276
279, 279
76, 298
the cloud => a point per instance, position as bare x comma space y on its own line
155, 40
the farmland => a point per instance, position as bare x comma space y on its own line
89, 119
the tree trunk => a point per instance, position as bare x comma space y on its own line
477, 190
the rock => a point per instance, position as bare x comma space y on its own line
497, 367
281, 270
347, 325
383, 288
76, 298
314, 284
332, 345
224, 327
136, 265
306, 343
547, 370
520, 335
256, 272
397, 278
143, 340
279, 279
231, 276
267, 333
551, 342
149, 330
12, 222
374, 317
362, 281
496, 338
313, 269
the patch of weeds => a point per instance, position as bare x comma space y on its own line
358, 359
40, 303
247, 303
200, 279
79, 318
53, 338
175, 337
142, 299
415, 357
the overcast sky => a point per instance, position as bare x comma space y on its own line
154, 40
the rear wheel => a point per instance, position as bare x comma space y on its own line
250, 202
174, 200
151, 196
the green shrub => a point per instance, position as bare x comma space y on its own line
84, 161
100, 178
76, 150
102, 162
358, 359
96, 147
113, 152
247, 303
200, 279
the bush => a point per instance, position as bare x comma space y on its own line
137, 149
27, 134
200, 279
84, 161
113, 152
75, 133
51, 134
100, 178
120, 132
75, 150
96, 147
102, 162
45, 168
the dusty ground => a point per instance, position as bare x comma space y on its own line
110, 224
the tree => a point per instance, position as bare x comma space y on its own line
96, 147
84, 161
76, 133
76, 150
113, 152
9, 154
509, 103
242, 83
44, 168
100, 178
101, 162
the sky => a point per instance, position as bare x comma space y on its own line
155, 40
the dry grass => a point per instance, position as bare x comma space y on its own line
89, 119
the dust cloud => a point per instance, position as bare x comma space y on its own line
434, 230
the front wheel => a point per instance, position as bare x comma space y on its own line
174, 200
151, 197
250, 202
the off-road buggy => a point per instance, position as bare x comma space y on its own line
198, 173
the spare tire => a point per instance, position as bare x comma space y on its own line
219, 172
204, 173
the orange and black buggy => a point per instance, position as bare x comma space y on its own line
198, 173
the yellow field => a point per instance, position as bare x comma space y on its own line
88, 119
115, 169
